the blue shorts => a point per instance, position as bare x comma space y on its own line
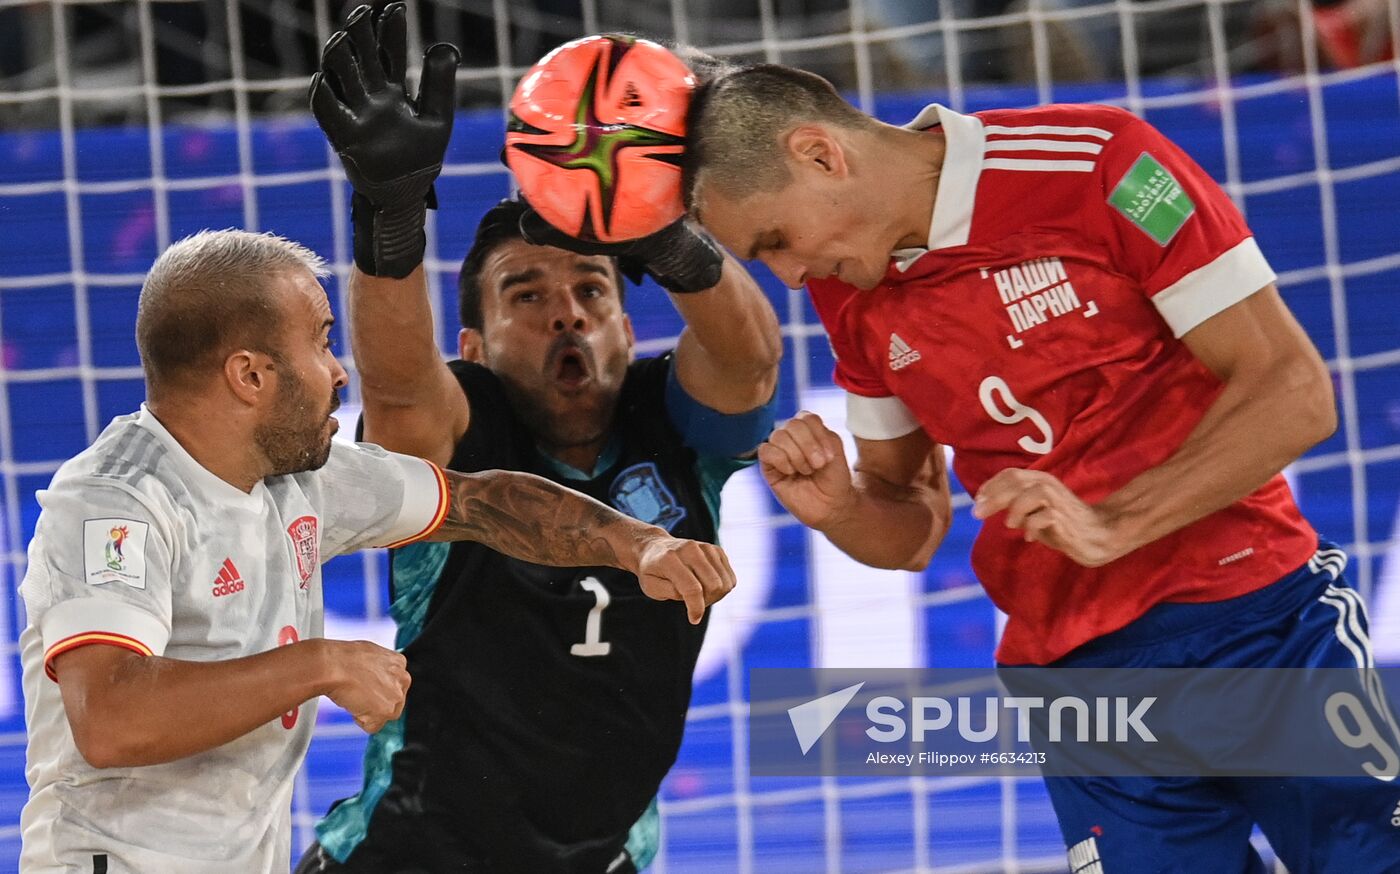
1310, 618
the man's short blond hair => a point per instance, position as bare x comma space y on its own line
211, 294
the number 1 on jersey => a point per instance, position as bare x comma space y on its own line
593, 644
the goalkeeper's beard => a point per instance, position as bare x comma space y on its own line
300, 440
566, 420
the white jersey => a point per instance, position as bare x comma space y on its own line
141, 547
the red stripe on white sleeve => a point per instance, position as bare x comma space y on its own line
425, 503
105, 638
70, 624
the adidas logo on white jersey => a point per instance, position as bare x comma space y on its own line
229, 581
901, 356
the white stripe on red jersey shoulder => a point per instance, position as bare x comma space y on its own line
1043, 148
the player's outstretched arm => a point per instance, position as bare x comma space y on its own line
1277, 403
891, 513
127, 710
412, 402
728, 355
392, 147
530, 518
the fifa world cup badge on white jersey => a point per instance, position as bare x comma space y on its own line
114, 550
305, 546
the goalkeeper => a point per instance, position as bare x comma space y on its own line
547, 705
1068, 301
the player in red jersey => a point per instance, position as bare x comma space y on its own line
1066, 299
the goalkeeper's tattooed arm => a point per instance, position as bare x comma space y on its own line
530, 518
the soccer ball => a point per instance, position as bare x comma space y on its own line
595, 137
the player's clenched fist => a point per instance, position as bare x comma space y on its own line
1047, 512
805, 465
369, 681
697, 573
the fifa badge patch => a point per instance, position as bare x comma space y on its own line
114, 550
640, 493
306, 546
1151, 198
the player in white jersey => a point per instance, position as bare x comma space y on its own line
173, 656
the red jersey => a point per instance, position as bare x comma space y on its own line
1070, 248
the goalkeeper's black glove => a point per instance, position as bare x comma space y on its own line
681, 257
392, 146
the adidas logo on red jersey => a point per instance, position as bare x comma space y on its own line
901, 356
229, 581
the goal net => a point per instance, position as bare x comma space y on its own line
127, 124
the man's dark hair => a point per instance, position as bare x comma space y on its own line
737, 118
500, 224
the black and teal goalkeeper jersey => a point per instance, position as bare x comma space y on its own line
547, 703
